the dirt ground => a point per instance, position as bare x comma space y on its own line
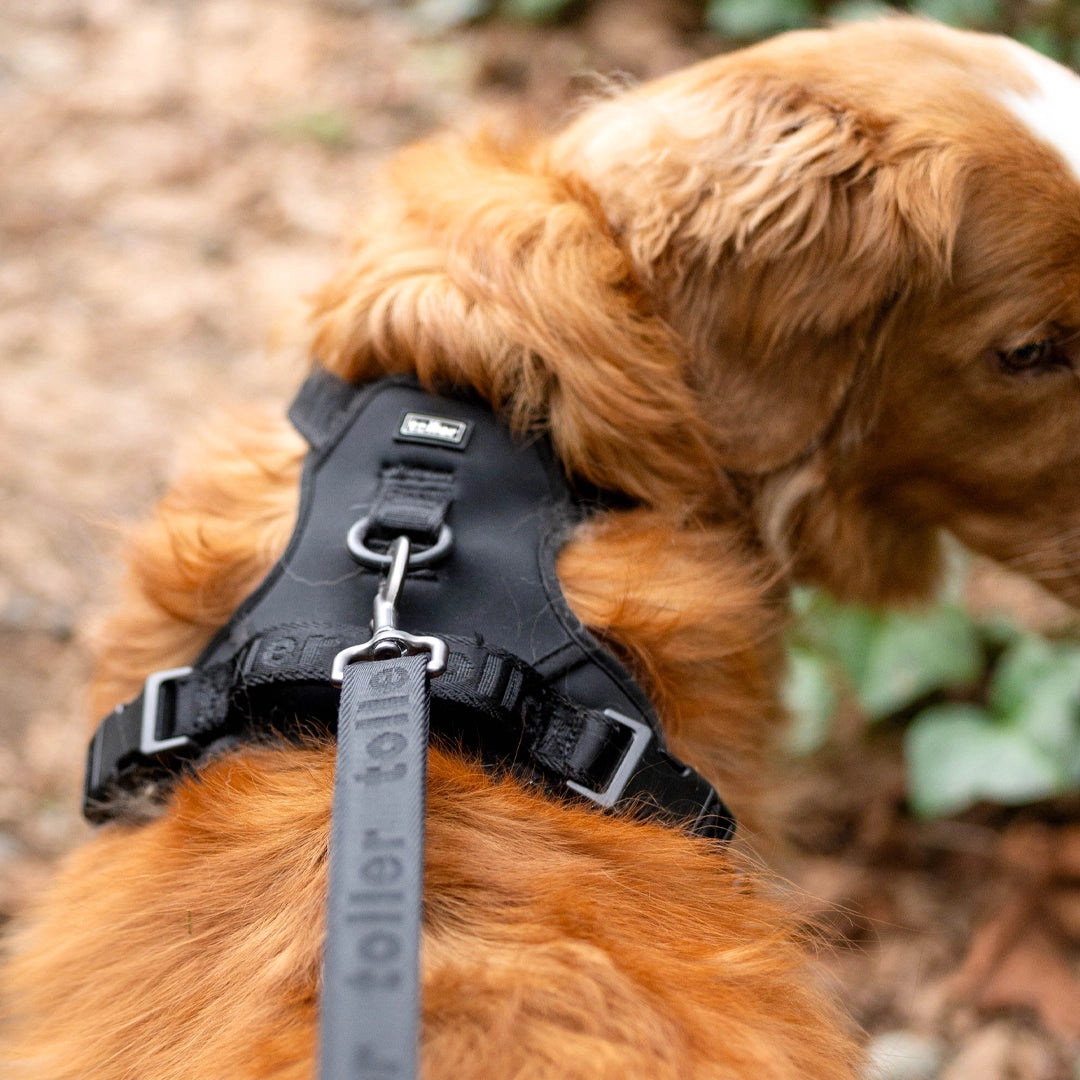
176, 175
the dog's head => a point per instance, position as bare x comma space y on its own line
837, 275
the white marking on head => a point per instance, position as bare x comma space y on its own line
1052, 109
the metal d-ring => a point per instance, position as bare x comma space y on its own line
356, 541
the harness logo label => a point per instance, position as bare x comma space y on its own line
434, 430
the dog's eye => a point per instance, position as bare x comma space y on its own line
1034, 356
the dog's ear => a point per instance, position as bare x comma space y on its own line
774, 225
477, 268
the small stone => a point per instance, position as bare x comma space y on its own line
1000, 1049
903, 1055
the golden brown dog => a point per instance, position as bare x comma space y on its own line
805, 305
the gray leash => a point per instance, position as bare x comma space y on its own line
371, 977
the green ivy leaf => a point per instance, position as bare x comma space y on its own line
957, 754
810, 698
962, 13
1036, 687
439, 15
536, 11
914, 653
757, 18
843, 632
999, 631
1043, 39
859, 10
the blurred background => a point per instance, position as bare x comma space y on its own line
177, 174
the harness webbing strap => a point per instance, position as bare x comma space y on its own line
320, 407
371, 990
490, 701
410, 501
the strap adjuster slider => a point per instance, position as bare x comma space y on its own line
641, 737
149, 744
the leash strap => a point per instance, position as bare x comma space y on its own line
371, 989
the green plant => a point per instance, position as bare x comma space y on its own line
743, 19
1050, 26
445, 14
329, 127
990, 712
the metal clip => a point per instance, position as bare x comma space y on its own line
387, 641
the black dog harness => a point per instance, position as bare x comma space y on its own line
400, 486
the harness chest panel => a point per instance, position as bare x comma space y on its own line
526, 686
509, 510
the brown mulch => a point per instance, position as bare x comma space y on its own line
176, 176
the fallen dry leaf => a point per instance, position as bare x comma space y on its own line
1001, 1050
1064, 907
1030, 849
1067, 862
1017, 961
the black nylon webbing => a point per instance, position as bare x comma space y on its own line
320, 406
562, 736
411, 501
281, 677
371, 990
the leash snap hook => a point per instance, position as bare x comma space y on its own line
387, 640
